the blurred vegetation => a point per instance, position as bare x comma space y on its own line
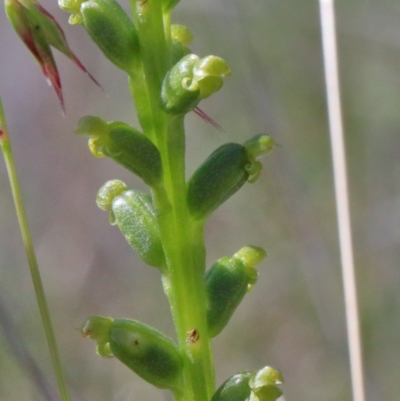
294, 318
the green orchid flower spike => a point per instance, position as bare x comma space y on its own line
38, 29
163, 223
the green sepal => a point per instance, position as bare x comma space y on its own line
109, 27
149, 353
98, 328
125, 145
223, 173
250, 256
227, 282
257, 146
134, 214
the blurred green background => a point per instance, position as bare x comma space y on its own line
294, 318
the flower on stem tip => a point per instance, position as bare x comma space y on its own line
38, 29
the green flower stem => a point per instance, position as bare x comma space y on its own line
148, 19
184, 248
183, 240
31, 257
149, 22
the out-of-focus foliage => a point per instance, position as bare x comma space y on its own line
294, 317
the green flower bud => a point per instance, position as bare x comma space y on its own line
218, 178
264, 384
182, 34
149, 353
227, 282
125, 145
134, 151
181, 37
223, 173
134, 214
259, 385
191, 80
236, 388
110, 28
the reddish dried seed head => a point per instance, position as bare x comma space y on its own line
38, 29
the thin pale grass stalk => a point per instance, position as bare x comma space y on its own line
329, 48
31, 257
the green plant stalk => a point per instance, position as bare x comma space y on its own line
184, 248
31, 257
183, 241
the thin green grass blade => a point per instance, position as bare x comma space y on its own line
31, 257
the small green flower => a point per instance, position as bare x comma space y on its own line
38, 29
110, 28
191, 80
227, 282
125, 145
133, 212
148, 352
223, 173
